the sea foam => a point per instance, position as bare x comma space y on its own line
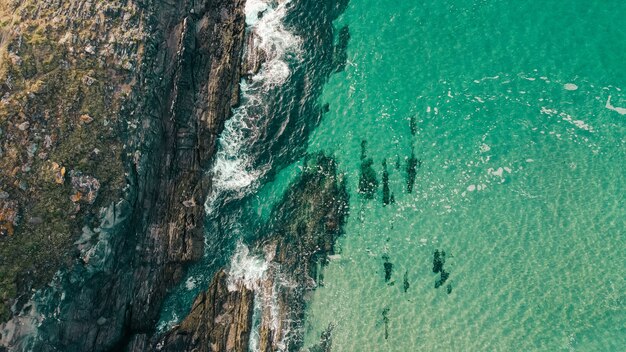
234, 171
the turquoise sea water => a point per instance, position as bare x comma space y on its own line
514, 113
522, 179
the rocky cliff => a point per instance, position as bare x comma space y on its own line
109, 116
96, 93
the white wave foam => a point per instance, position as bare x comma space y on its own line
256, 273
233, 170
246, 269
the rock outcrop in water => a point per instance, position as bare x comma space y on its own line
305, 226
220, 320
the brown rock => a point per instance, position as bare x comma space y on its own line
86, 119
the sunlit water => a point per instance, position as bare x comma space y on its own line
522, 180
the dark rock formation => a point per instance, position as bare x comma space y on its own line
219, 321
188, 82
307, 223
179, 80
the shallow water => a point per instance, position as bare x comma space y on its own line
521, 183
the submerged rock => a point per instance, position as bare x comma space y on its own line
307, 221
439, 259
326, 341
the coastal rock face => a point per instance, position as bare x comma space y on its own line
62, 85
298, 241
171, 90
220, 320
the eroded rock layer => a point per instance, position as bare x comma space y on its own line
180, 83
302, 234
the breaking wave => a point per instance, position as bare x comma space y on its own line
258, 274
234, 171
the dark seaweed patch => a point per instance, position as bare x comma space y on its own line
442, 279
439, 259
368, 184
406, 281
386, 192
411, 172
388, 266
340, 56
413, 124
386, 321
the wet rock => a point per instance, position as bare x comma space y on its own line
220, 320
298, 226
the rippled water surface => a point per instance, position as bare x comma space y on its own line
513, 115
522, 177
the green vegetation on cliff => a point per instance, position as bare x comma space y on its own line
65, 69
